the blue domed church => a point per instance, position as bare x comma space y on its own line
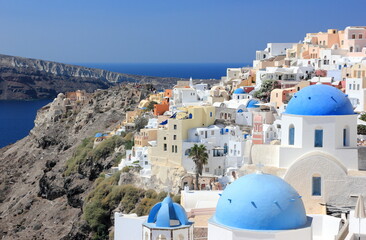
167, 221
318, 154
260, 206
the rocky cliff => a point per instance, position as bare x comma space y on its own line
37, 199
25, 78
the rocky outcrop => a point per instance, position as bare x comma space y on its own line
25, 78
37, 200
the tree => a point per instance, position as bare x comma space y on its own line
361, 129
140, 123
199, 155
151, 105
363, 117
264, 93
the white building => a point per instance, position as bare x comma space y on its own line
227, 148
272, 50
137, 156
356, 90
318, 154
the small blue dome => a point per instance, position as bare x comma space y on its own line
252, 104
260, 202
167, 214
319, 100
239, 91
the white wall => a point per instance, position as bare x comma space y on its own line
332, 138
220, 232
128, 227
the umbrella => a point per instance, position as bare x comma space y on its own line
360, 213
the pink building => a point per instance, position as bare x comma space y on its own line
355, 41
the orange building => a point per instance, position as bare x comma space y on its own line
160, 109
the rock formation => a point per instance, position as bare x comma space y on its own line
25, 78
37, 200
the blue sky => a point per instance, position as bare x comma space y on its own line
163, 31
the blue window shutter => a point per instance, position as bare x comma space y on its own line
318, 138
291, 139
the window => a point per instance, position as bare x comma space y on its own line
291, 135
318, 140
161, 237
207, 169
175, 126
165, 146
342, 42
212, 132
353, 36
175, 137
187, 152
172, 148
360, 36
345, 137
210, 114
358, 86
317, 184
350, 86
176, 148
164, 138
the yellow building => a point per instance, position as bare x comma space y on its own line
158, 97
145, 135
131, 116
358, 70
170, 137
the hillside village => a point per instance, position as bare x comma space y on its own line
296, 114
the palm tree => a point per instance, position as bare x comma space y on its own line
199, 155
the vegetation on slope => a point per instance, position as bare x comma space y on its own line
85, 152
107, 195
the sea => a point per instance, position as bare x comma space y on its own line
17, 117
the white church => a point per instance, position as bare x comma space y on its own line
318, 153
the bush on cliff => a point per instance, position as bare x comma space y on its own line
85, 152
107, 195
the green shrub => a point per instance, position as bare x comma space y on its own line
107, 195
125, 169
144, 207
140, 123
129, 136
361, 129
79, 155
85, 152
363, 117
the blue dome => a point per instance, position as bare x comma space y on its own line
252, 104
260, 202
319, 100
167, 214
239, 91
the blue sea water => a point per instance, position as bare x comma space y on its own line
17, 119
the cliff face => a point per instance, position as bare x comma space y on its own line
25, 78
37, 200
